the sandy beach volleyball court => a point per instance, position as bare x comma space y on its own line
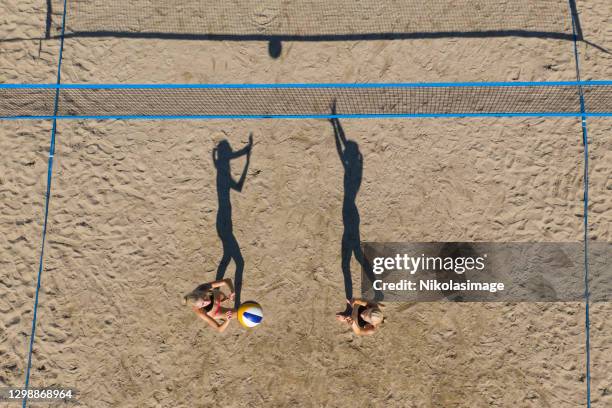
132, 228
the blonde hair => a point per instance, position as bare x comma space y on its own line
197, 294
376, 316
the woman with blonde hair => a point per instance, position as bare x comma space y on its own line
364, 317
206, 301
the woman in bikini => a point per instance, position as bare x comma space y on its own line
206, 301
364, 317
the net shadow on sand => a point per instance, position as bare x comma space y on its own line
280, 21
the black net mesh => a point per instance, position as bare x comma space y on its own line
313, 18
598, 99
307, 100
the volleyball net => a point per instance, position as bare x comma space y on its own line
313, 19
305, 100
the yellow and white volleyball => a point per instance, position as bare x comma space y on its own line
250, 314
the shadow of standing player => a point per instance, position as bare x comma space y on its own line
352, 162
222, 155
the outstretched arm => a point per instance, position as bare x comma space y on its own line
245, 150
359, 302
339, 136
224, 282
238, 185
211, 322
369, 329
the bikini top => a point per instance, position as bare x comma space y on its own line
209, 306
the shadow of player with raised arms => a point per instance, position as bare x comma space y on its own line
222, 155
352, 162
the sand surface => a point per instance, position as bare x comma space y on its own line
132, 228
